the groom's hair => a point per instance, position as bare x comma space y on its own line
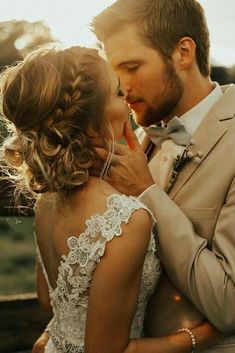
162, 23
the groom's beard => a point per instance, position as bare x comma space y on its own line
164, 103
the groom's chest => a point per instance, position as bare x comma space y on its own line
199, 189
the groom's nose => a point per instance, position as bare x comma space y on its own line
125, 83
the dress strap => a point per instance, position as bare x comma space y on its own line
40, 260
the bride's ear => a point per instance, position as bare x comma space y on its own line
184, 55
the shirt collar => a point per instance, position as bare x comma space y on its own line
193, 118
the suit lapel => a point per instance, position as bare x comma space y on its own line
203, 143
207, 135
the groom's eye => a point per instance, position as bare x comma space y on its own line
132, 68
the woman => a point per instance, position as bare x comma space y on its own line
97, 254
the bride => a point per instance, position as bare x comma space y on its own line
97, 254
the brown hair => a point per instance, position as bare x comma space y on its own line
50, 102
161, 22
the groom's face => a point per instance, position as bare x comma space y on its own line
153, 88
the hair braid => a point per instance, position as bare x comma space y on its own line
53, 152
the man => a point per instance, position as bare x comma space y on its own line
160, 50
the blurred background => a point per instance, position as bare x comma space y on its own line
26, 24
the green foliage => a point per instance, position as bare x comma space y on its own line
17, 259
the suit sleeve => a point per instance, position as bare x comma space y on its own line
206, 277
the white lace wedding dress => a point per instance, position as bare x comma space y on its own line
69, 299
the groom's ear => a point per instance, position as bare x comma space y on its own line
184, 55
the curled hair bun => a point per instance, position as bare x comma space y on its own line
51, 101
13, 151
50, 159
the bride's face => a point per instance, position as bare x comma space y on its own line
116, 110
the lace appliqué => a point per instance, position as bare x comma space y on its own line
69, 299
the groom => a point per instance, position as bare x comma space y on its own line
160, 50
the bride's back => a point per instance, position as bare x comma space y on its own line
56, 221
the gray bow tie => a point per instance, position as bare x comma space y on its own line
174, 130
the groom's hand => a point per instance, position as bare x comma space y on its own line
128, 172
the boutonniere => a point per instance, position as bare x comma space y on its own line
180, 161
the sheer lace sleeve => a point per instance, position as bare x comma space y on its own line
90, 245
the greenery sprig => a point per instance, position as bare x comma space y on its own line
180, 161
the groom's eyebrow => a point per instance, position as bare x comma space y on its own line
129, 62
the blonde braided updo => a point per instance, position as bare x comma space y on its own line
50, 102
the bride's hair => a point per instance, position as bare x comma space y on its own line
50, 102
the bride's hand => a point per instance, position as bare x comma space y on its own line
41, 342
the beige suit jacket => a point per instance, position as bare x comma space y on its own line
196, 233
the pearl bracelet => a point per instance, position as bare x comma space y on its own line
193, 339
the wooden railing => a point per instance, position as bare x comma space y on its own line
22, 320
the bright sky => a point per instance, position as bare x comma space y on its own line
69, 19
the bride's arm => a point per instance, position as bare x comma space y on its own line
115, 287
205, 335
113, 298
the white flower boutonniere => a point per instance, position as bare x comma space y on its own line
180, 161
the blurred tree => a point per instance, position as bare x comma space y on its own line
18, 37
223, 75
219, 74
231, 72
